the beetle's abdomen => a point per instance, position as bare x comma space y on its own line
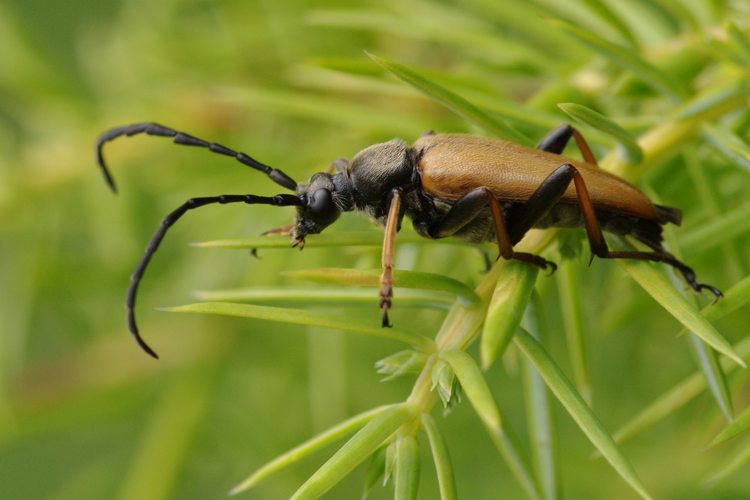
451, 165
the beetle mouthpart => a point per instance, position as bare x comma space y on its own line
298, 241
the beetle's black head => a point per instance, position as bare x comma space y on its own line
323, 199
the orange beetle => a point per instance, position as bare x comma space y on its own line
469, 187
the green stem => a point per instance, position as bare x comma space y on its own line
458, 330
667, 139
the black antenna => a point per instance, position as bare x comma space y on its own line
184, 139
281, 200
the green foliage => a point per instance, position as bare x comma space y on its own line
506, 309
578, 409
658, 88
631, 150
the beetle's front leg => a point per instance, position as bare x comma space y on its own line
468, 208
389, 244
338, 165
284, 230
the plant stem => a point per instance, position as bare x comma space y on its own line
671, 136
462, 324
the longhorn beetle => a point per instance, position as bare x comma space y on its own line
474, 188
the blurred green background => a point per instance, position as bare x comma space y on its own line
85, 414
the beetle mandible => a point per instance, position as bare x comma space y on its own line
470, 187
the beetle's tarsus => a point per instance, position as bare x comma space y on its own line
552, 266
699, 287
534, 260
386, 322
717, 293
385, 305
689, 275
544, 264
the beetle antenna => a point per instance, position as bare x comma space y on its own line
280, 200
182, 138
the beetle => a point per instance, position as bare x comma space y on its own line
475, 188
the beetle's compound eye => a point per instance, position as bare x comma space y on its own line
321, 207
321, 202
317, 212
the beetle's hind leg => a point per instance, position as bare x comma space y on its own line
667, 258
687, 272
523, 217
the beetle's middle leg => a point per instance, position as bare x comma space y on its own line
468, 208
522, 217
